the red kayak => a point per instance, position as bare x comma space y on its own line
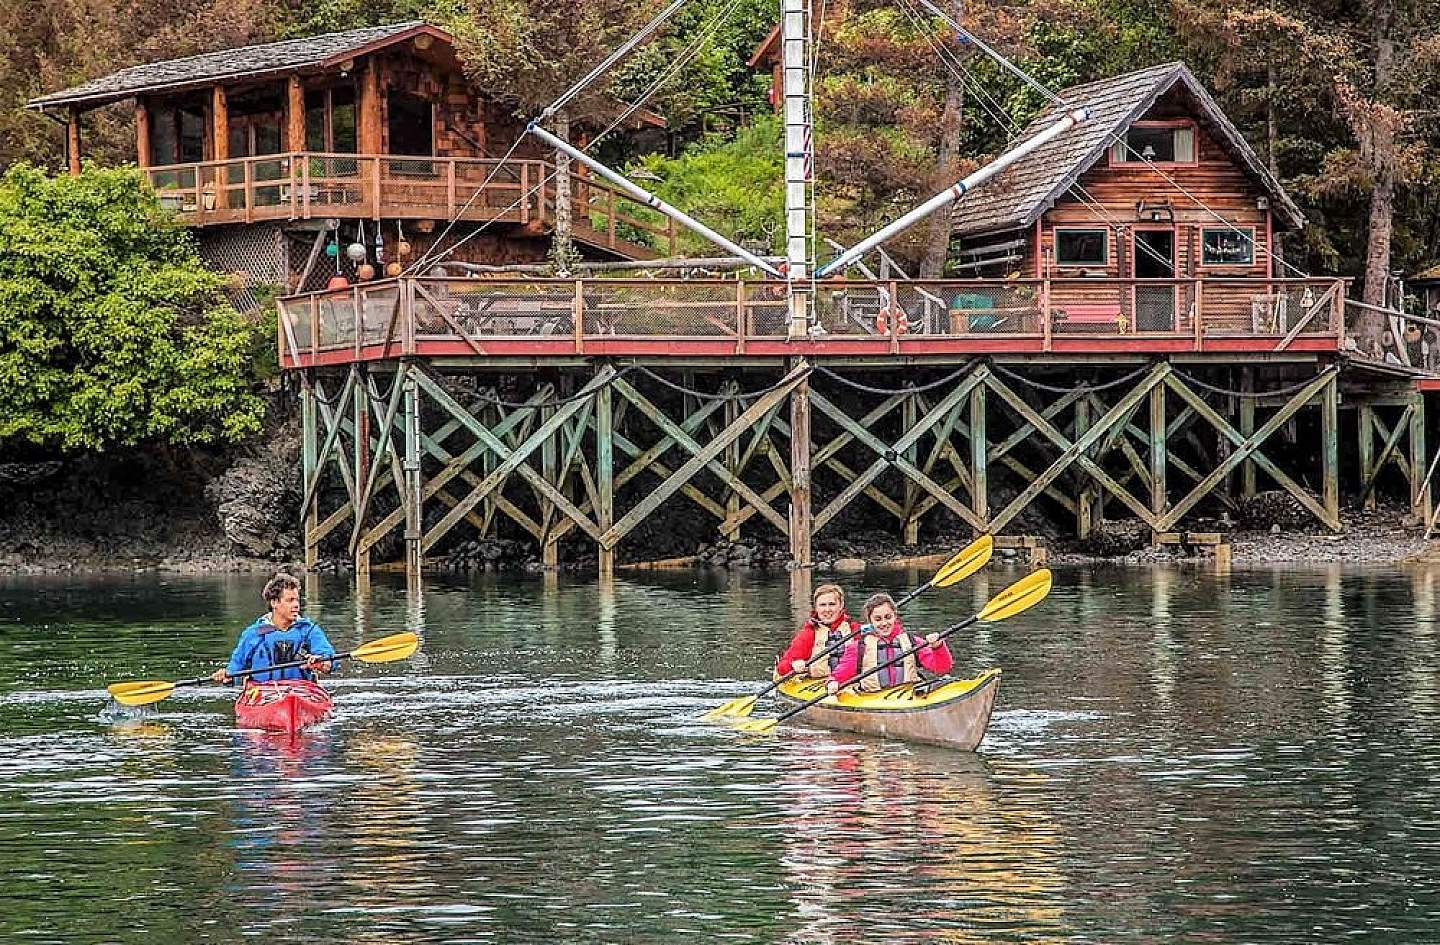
288, 705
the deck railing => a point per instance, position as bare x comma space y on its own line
482, 316
302, 185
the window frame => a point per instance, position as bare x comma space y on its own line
1174, 125
1254, 253
1104, 232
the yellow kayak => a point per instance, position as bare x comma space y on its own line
954, 714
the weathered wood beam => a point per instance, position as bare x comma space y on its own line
294, 115
1387, 452
702, 456
309, 451
801, 521
1075, 452
392, 407
1248, 448
332, 432
732, 432
893, 454
1420, 492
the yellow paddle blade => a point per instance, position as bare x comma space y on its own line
970, 559
757, 726
1022, 595
735, 707
397, 646
140, 693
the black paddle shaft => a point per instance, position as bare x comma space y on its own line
791, 713
201, 680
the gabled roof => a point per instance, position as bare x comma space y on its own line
227, 65
1022, 192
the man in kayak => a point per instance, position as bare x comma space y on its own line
280, 636
827, 625
883, 639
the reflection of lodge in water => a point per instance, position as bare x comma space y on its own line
883, 839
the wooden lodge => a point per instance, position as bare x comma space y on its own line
1117, 336
370, 135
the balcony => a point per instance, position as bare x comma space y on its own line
481, 318
306, 185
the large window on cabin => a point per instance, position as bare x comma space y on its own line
330, 120
1157, 144
1082, 247
1227, 246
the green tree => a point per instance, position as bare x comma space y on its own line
112, 333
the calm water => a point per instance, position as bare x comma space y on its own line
1174, 757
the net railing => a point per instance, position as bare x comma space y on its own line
436, 308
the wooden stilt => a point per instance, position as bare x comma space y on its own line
979, 466
1365, 428
910, 523
800, 514
1330, 449
549, 546
309, 448
605, 474
414, 484
1247, 430
364, 479
1159, 445
730, 528
1085, 501
1420, 492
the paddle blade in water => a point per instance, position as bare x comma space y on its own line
969, 560
1020, 596
398, 646
735, 707
757, 726
140, 693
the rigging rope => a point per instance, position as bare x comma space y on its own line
555, 402
908, 389
1226, 392
706, 395
1083, 385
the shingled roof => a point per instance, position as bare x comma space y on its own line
1019, 195
313, 52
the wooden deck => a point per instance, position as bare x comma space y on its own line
737, 319
307, 185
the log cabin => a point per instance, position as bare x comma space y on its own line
1136, 220
347, 153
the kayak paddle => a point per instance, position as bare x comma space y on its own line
1020, 596
397, 646
964, 563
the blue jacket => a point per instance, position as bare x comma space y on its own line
263, 645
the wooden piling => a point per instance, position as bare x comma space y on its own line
309, 447
413, 496
800, 512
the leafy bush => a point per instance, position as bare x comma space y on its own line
112, 333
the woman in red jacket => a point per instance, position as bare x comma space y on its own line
827, 625
883, 639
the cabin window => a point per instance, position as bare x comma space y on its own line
1082, 247
1156, 144
330, 120
164, 141
1224, 246
191, 132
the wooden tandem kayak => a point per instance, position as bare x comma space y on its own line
954, 714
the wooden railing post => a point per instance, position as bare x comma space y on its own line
524, 192
610, 210
671, 234
1337, 309
305, 183
1045, 321
375, 192
314, 328
1198, 319
358, 316
740, 316
450, 188
407, 304
577, 315
248, 176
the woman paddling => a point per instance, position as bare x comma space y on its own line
280, 636
883, 639
827, 625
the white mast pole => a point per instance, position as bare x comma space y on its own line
799, 156
953, 193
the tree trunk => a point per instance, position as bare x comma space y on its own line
562, 244
1381, 134
937, 236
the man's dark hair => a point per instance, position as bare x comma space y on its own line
278, 585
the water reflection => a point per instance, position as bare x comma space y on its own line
1174, 757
